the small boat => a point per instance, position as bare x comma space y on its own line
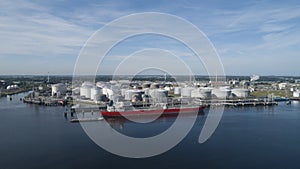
281, 99
120, 109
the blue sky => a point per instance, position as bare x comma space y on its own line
251, 37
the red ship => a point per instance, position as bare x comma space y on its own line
117, 111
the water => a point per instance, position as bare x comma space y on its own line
252, 137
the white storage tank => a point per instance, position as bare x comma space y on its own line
221, 92
154, 86
186, 91
123, 92
130, 93
76, 91
100, 84
240, 92
85, 91
177, 90
95, 91
58, 88
201, 93
87, 83
108, 92
159, 94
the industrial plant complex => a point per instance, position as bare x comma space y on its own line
154, 91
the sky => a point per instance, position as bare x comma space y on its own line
250, 37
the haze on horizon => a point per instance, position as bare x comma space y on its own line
251, 37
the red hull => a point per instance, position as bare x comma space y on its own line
151, 112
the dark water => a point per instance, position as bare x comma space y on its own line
253, 137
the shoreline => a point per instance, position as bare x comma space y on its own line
15, 91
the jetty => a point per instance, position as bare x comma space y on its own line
239, 102
86, 119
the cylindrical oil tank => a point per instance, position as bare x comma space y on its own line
240, 92
60, 87
186, 91
100, 84
154, 86
130, 93
87, 83
95, 91
76, 91
221, 92
201, 93
123, 92
177, 90
159, 94
85, 91
108, 92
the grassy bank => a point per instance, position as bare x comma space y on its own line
280, 93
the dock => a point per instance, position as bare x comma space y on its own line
86, 119
239, 102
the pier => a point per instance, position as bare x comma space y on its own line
239, 102
86, 119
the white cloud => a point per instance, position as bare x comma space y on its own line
48, 35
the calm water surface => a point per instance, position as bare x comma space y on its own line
252, 137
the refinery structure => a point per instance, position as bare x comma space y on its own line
146, 92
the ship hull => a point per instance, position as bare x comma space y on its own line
152, 112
